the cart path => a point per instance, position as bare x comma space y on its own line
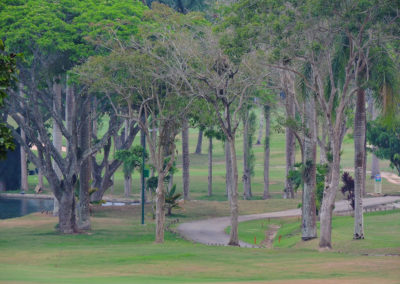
211, 231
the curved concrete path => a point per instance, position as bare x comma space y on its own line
211, 231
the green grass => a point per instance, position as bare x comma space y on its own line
381, 233
120, 250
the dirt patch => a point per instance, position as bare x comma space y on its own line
270, 235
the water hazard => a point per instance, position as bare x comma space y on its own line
17, 207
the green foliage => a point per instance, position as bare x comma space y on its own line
297, 177
385, 140
8, 73
183, 6
132, 159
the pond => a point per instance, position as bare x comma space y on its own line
17, 207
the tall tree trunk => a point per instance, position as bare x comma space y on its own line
127, 177
69, 106
185, 158
309, 226
127, 184
322, 149
199, 145
290, 146
375, 168
66, 214
246, 169
228, 167
40, 179
233, 236
359, 163
328, 200
267, 115
160, 211
24, 169
23, 161
57, 135
287, 82
210, 158
261, 127
85, 170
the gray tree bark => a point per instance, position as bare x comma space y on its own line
233, 236
267, 115
185, 158
261, 127
246, 169
160, 211
375, 168
199, 145
57, 135
359, 163
309, 226
210, 158
127, 176
322, 148
288, 84
85, 170
23, 161
24, 169
40, 179
228, 170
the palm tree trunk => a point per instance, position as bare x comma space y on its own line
267, 114
185, 158
210, 158
199, 142
359, 163
309, 226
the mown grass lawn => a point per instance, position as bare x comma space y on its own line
120, 250
382, 230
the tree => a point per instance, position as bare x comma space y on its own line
51, 35
386, 141
7, 77
267, 117
141, 77
249, 128
132, 159
227, 88
185, 158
